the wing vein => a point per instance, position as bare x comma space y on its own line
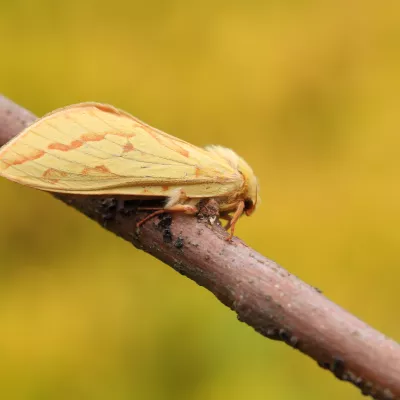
141, 151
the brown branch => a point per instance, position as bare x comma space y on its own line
264, 295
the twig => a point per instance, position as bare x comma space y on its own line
264, 295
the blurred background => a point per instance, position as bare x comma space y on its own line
306, 91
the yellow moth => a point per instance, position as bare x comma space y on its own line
96, 149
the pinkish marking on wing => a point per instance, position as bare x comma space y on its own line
98, 170
128, 147
65, 147
92, 137
10, 158
53, 175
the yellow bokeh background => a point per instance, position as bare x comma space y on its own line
306, 91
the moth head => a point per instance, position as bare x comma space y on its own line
250, 195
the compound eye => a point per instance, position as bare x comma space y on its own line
248, 203
248, 206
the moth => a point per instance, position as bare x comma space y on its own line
96, 149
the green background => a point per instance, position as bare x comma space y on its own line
308, 92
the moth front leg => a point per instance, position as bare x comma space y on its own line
238, 213
226, 217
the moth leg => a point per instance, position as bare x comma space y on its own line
174, 204
235, 217
228, 218
185, 208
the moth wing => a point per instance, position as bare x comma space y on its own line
96, 149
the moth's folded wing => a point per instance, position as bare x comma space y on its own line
95, 149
